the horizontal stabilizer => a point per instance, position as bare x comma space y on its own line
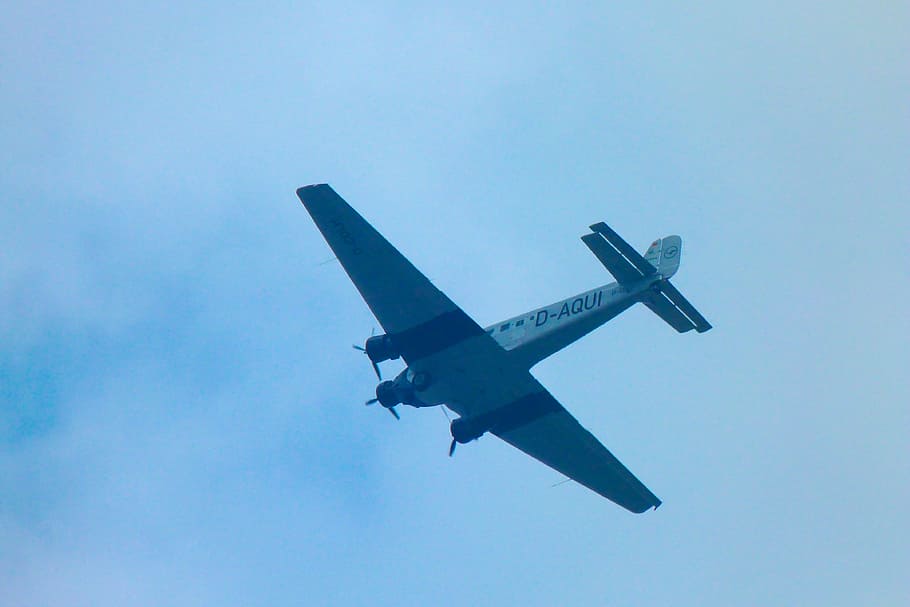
701, 325
663, 307
622, 270
660, 262
624, 248
669, 304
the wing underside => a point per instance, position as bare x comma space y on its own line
559, 441
397, 293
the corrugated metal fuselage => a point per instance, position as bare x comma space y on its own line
535, 335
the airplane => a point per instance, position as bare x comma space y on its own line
483, 374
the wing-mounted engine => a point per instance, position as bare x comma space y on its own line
464, 430
379, 348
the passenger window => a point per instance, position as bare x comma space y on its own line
518, 323
505, 327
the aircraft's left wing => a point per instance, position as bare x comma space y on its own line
397, 293
424, 324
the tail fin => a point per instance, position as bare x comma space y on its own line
659, 262
665, 300
664, 254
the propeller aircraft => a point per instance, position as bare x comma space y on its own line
483, 374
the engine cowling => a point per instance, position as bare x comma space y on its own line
388, 394
465, 430
380, 348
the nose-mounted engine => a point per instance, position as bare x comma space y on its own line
391, 393
403, 390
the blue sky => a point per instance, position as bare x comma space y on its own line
180, 408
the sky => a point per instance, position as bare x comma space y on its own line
181, 417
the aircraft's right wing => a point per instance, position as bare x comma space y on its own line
537, 424
559, 441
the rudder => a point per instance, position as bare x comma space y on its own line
664, 254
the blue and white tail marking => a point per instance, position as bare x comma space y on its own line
664, 254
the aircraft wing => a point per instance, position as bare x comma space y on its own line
559, 441
471, 373
538, 425
397, 293
432, 334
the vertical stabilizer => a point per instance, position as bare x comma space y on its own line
664, 255
652, 255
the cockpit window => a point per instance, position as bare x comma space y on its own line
505, 327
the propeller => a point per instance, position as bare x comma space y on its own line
392, 410
449, 419
372, 362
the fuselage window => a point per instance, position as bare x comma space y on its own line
518, 323
505, 327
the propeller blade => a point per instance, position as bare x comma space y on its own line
372, 401
452, 447
372, 362
394, 412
